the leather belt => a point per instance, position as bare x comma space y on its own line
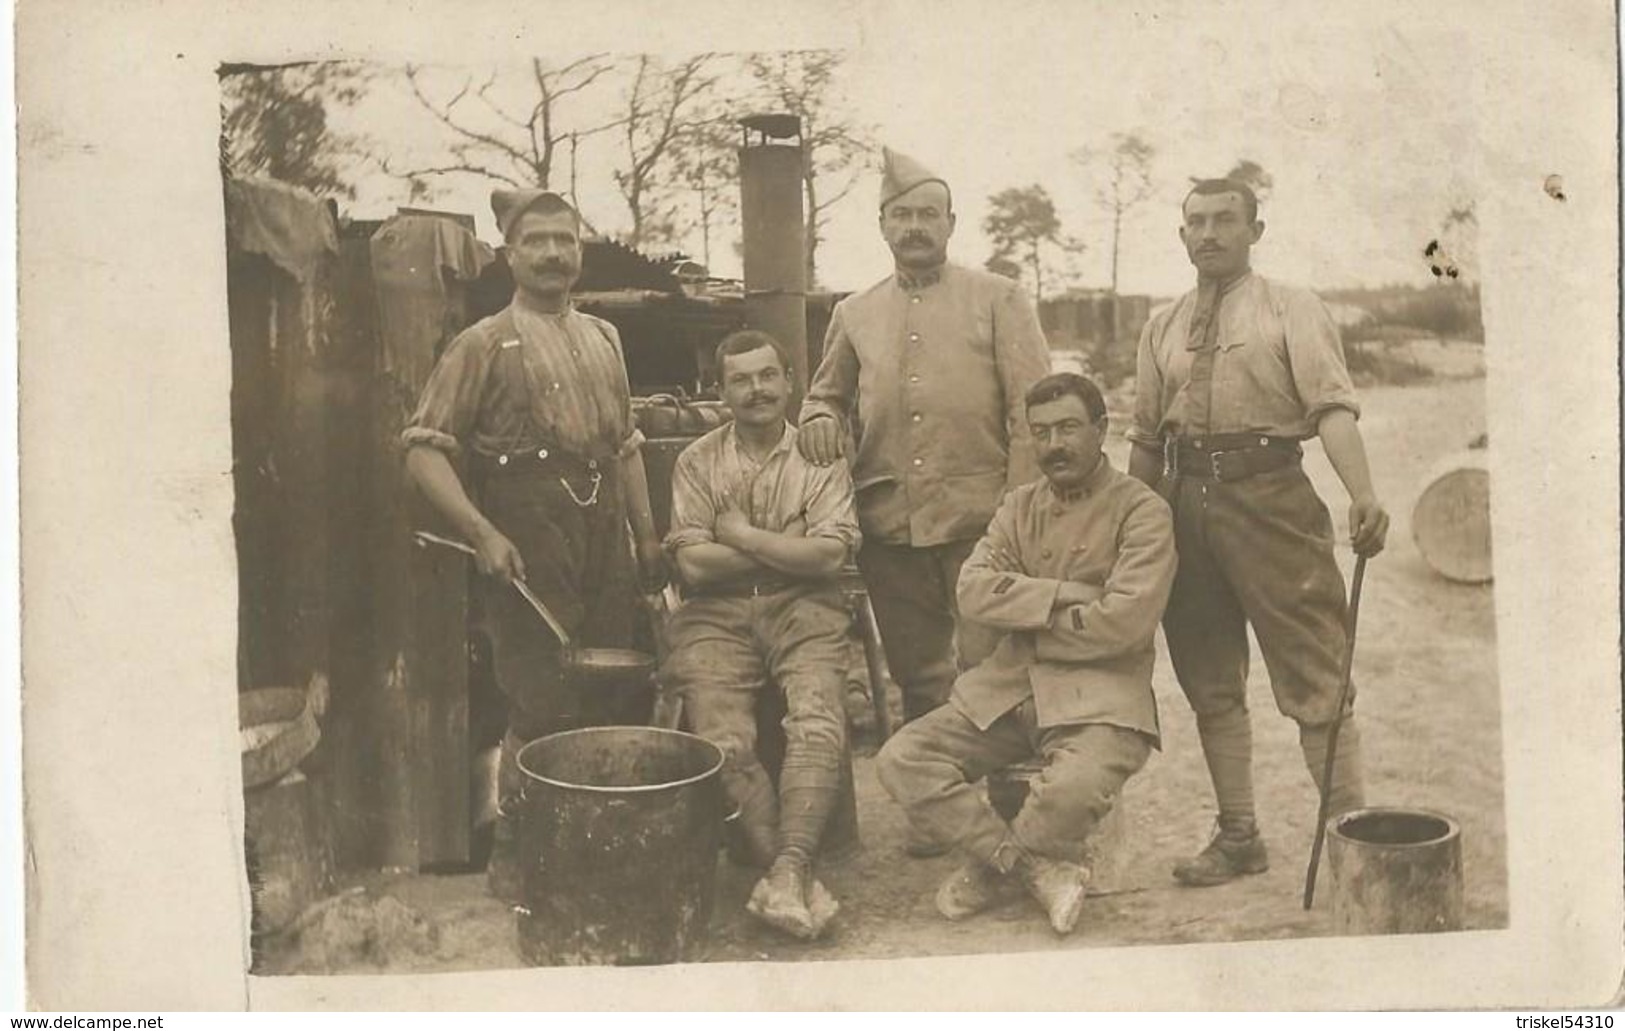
566, 467
755, 588
1228, 457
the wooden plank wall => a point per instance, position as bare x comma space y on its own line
330, 585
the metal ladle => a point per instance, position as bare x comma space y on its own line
425, 538
597, 665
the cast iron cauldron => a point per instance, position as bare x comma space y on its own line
619, 830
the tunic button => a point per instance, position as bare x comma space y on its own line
1048, 553
918, 417
914, 336
542, 454
555, 385
919, 461
502, 460
914, 379
915, 299
1197, 442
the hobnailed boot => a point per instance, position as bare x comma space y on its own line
975, 888
780, 899
1059, 886
1236, 850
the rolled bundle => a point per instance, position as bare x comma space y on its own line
1451, 520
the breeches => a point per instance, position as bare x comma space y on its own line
1258, 551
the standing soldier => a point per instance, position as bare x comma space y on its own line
535, 402
925, 372
1231, 378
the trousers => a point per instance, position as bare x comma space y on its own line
724, 652
926, 643
931, 767
1258, 551
578, 560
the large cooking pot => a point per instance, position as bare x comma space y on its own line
619, 830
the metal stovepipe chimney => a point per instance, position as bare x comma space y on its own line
770, 187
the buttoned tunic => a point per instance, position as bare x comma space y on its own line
1086, 663
930, 377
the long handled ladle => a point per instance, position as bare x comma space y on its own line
426, 538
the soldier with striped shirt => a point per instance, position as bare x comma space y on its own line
535, 405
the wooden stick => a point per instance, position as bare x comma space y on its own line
1331, 741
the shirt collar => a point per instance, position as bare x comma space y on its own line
786, 441
1096, 479
1229, 286
919, 280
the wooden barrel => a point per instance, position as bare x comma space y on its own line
1395, 871
1451, 520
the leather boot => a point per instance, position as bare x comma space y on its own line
1236, 850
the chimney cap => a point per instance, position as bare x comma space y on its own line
773, 127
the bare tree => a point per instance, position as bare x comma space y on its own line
805, 84
273, 122
1123, 170
660, 106
494, 138
706, 164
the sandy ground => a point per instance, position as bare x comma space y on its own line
1429, 709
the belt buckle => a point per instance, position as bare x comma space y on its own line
1213, 465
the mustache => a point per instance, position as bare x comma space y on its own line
761, 399
1056, 457
554, 266
916, 237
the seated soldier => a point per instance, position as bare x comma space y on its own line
758, 536
1075, 570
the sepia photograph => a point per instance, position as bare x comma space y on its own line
923, 489
574, 405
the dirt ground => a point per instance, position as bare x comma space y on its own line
1430, 714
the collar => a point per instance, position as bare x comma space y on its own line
1095, 480
787, 440
1229, 286
520, 308
920, 280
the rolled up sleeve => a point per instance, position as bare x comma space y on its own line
1124, 618
1315, 351
831, 511
693, 510
450, 402
1146, 428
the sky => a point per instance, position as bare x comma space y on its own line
1360, 124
